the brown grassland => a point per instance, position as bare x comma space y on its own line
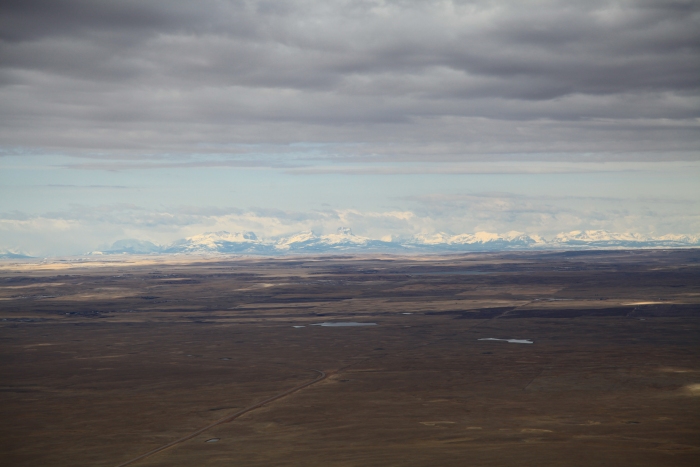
104, 360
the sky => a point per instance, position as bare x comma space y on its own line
159, 120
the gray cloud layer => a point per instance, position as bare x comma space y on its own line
441, 80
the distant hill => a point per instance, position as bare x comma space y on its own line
7, 254
132, 246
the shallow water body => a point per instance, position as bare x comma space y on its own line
447, 273
511, 341
344, 324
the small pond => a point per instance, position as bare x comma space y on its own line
468, 272
343, 324
512, 341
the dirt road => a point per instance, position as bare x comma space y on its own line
321, 376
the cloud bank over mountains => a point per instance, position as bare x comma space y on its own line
430, 218
437, 225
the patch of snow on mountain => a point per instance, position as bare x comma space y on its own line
478, 238
434, 239
690, 239
295, 240
598, 236
344, 236
219, 242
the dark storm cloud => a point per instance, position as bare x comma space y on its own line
405, 79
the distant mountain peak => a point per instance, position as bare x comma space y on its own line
132, 246
13, 254
478, 238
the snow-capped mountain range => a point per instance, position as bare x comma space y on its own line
345, 241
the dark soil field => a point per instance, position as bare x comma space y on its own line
102, 361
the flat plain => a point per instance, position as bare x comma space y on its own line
102, 361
